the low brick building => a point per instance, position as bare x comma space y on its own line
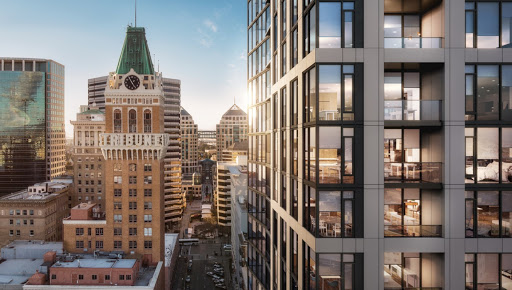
84, 229
35, 213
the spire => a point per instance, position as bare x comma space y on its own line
135, 53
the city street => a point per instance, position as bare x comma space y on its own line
203, 257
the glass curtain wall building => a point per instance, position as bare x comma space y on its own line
32, 137
359, 115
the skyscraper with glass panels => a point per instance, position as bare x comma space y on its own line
359, 116
32, 137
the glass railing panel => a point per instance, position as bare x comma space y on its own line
432, 231
412, 110
413, 42
429, 172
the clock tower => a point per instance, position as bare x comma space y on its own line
134, 145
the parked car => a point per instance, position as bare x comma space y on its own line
209, 274
187, 279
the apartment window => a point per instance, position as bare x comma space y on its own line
132, 205
118, 244
493, 86
310, 153
147, 121
99, 244
488, 24
79, 244
294, 198
11, 222
118, 179
336, 24
336, 94
79, 231
118, 205
11, 233
309, 20
121, 277
333, 205
148, 231
107, 277
335, 155
283, 59
148, 244
309, 94
294, 48
132, 231
488, 214
31, 233
54, 277
294, 101
80, 277
147, 167
118, 192
132, 121
94, 277
148, 192
31, 212
118, 231
132, 179
148, 205
132, 244
309, 209
118, 218
148, 218
488, 271
132, 192
148, 179
132, 218
488, 160
117, 121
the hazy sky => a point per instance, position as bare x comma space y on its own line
200, 42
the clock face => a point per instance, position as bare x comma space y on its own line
131, 82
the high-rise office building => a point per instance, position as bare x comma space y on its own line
175, 201
88, 162
32, 137
208, 137
174, 198
360, 113
226, 187
96, 91
189, 144
134, 146
231, 129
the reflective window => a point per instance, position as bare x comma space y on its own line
488, 214
484, 19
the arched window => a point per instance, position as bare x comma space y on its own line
147, 121
117, 121
132, 121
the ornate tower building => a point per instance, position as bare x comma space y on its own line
134, 145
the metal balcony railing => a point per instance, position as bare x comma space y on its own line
412, 110
431, 231
413, 42
428, 172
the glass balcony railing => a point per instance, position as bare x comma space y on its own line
433, 231
428, 172
413, 42
412, 110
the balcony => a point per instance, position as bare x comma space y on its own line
413, 172
431, 231
413, 42
413, 113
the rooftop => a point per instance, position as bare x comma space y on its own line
135, 53
29, 249
38, 191
97, 263
17, 271
234, 111
170, 244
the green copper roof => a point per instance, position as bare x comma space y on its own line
135, 53
92, 112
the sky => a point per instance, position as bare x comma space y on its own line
200, 42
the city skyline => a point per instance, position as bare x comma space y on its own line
215, 54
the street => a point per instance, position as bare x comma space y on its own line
203, 257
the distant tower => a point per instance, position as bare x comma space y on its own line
231, 129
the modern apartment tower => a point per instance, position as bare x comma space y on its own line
231, 129
32, 137
189, 144
359, 116
134, 146
88, 162
174, 198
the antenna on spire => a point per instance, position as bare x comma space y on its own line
234, 100
135, 13
158, 65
